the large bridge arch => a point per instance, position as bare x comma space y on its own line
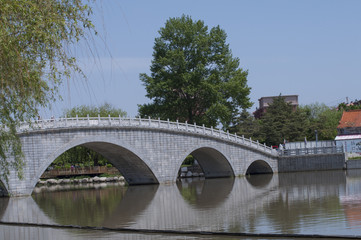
128, 160
130, 165
213, 162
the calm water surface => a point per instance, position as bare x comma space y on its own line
327, 202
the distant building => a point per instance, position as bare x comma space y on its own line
264, 102
349, 132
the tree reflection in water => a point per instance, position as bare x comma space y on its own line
205, 193
310, 202
112, 206
259, 180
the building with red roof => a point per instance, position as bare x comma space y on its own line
349, 131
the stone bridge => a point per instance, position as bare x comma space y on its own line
145, 151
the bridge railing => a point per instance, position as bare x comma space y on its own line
139, 122
315, 150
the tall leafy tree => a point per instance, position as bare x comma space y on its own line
322, 118
34, 59
194, 76
246, 125
281, 122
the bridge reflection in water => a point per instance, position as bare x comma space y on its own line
311, 202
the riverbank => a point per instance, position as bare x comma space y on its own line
84, 180
82, 186
79, 171
190, 171
51, 185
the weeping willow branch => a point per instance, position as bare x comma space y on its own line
34, 38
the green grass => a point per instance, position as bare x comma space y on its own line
109, 175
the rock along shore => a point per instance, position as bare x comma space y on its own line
80, 181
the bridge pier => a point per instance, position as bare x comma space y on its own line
18, 187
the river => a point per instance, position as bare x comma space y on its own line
325, 203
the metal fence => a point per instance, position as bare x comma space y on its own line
305, 151
309, 144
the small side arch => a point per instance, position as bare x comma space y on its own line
259, 167
213, 163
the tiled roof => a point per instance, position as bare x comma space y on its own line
351, 119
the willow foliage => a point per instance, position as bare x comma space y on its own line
35, 36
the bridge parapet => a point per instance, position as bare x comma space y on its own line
77, 122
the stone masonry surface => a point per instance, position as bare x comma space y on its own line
145, 151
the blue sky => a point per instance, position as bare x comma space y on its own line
309, 48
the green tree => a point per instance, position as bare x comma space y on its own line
281, 122
104, 110
352, 106
34, 59
245, 124
81, 155
323, 119
194, 76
